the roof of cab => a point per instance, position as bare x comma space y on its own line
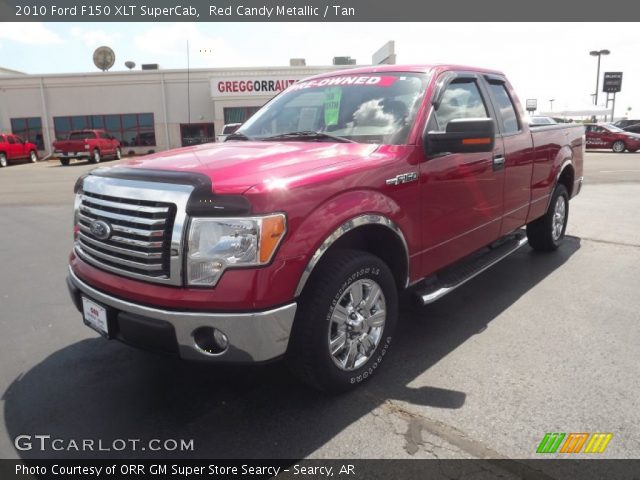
405, 68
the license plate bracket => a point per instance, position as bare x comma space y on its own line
95, 316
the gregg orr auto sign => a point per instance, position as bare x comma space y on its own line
250, 86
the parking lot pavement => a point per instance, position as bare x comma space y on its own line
539, 343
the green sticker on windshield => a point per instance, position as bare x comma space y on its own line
332, 105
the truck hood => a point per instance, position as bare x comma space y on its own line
236, 166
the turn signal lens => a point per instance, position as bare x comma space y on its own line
272, 230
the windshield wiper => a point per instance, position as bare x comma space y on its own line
238, 136
308, 134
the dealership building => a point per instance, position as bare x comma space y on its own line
146, 110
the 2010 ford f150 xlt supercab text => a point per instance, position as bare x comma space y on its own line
293, 238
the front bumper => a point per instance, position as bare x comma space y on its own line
253, 336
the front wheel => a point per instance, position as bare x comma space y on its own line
3, 160
118, 153
33, 156
345, 321
618, 146
547, 232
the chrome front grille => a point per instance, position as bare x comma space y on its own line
145, 220
140, 241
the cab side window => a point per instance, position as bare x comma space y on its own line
10, 139
461, 99
505, 108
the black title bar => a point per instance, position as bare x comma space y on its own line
316, 11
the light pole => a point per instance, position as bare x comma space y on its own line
598, 53
551, 100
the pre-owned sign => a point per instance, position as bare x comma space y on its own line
249, 86
612, 82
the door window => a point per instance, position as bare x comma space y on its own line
505, 107
461, 99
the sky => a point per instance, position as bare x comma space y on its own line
542, 60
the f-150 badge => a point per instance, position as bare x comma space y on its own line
402, 178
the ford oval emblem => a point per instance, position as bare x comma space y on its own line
100, 229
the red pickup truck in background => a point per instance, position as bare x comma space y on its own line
294, 237
13, 147
610, 136
91, 144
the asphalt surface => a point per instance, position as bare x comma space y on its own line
539, 343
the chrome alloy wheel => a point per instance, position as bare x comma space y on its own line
356, 325
559, 217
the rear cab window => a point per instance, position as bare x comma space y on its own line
508, 118
81, 135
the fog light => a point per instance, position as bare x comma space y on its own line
210, 340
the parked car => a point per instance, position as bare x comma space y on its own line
93, 145
625, 123
600, 135
293, 238
14, 148
539, 120
635, 128
227, 130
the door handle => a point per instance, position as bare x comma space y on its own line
498, 162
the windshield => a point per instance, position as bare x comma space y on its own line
365, 108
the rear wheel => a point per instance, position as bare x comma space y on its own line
64, 161
95, 156
33, 156
618, 146
3, 160
345, 321
547, 232
118, 153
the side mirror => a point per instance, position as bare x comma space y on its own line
463, 135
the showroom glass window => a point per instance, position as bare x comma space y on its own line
30, 129
238, 114
131, 129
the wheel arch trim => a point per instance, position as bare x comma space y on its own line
346, 227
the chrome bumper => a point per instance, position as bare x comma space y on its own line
253, 336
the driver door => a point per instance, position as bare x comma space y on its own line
461, 193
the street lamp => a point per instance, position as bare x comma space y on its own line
598, 53
551, 100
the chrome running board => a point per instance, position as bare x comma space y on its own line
452, 277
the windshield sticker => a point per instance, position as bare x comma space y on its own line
332, 98
344, 81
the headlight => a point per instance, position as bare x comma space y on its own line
216, 244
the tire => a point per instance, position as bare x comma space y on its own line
95, 156
547, 232
618, 146
322, 320
3, 160
64, 161
633, 151
118, 154
33, 156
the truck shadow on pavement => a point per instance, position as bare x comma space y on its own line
104, 390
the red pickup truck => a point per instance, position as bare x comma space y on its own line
294, 237
90, 144
13, 147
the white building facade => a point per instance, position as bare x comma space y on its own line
147, 110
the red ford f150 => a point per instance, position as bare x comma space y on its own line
293, 238
90, 144
13, 147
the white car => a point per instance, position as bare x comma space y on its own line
227, 130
